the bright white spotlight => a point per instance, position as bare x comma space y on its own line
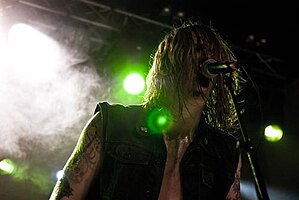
59, 174
32, 54
134, 83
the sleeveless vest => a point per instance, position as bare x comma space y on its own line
134, 159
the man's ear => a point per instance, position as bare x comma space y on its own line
202, 80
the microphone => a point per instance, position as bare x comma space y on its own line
211, 68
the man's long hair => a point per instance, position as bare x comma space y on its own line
175, 72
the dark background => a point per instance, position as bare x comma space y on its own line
263, 35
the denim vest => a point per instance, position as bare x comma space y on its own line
134, 160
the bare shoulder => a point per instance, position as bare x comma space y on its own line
96, 121
91, 136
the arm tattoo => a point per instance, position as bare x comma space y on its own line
235, 189
85, 156
234, 192
83, 159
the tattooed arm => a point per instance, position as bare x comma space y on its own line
234, 192
83, 164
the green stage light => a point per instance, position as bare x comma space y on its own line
273, 133
134, 83
159, 120
162, 120
6, 166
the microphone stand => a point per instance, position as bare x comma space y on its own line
248, 146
